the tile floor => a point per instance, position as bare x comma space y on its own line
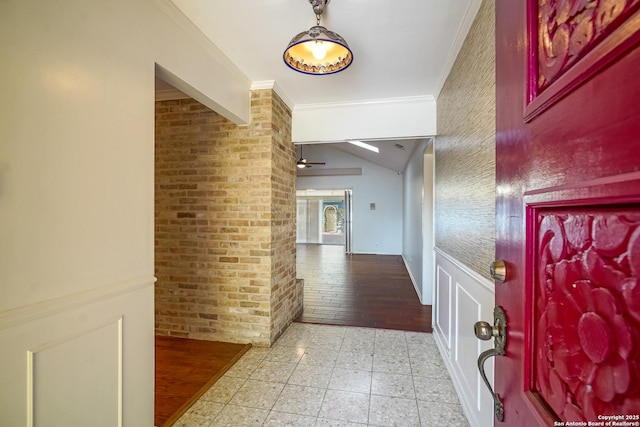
321, 375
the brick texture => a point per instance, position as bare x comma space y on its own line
225, 222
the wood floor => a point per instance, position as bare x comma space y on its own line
358, 290
185, 369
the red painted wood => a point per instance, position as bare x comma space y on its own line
577, 41
585, 314
559, 172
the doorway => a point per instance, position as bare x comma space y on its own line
324, 217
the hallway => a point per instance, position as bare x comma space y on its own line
329, 370
372, 291
323, 375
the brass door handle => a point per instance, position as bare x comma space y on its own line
484, 331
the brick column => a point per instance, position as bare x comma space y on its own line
225, 222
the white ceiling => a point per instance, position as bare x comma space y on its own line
393, 155
401, 48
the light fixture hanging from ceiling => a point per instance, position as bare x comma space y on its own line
319, 50
304, 163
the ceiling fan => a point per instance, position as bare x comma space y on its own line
304, 163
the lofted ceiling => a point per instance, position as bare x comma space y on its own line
401, 48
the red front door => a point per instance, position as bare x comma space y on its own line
568, 211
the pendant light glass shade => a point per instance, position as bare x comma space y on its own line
318, 50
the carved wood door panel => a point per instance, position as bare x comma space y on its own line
568, 211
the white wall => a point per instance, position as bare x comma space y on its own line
428, 255
376, 231
414, 228
76, 194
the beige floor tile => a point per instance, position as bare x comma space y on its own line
355, 360
240, 416
359, 340
324, 422
434, 368
283, 419
301, 400
392, 364
287, 354
273, 371
350, 380
319, 356
435, 390
311, 376
258, 353
390, 342
392, 385
223, 389
201, 413
257, 394
435, 414
243, 368
334, 376
393, 411
419, 339
345, 406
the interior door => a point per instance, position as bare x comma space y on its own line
568, 210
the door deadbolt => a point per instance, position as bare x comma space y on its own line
498, 270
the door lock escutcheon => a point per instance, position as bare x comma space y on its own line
497, 331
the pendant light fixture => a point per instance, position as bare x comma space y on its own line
318, 50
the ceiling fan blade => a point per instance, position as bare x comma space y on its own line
304, 163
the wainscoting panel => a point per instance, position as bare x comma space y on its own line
471, 298
467, 346
85, 359
86, 364
443, 306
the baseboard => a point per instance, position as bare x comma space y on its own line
415, 286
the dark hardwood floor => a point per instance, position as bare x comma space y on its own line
358, 290
185, 369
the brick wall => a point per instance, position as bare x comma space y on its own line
286, 294
225, 222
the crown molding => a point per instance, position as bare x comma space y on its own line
379, 101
